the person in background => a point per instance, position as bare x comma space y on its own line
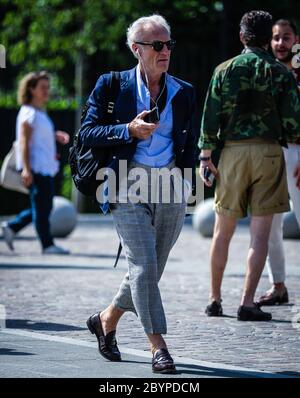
36, 159
249, 105
283, 40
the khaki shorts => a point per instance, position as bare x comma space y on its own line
252, 177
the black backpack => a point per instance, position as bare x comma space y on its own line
86, 161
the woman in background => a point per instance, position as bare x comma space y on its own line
36, 159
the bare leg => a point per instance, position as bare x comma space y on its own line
260, 231
224, 229
280, 286
156, 342
110, 318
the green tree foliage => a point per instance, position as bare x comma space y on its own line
50, 34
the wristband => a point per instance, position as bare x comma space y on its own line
204, 158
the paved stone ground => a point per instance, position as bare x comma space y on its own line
54, 295
28, 354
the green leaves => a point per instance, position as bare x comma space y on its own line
49, 34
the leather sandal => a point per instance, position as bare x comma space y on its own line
273, 297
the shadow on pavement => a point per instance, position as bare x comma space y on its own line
138, 362
212, 372
112, 256
197, 370
283, 305
280, 321
10, 351
33, 325
242, 276
22, 238
289, 373
60, 266
234, 317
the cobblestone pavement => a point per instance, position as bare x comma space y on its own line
56, 294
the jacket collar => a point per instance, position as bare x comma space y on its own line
255, 50
128, 80
129, 103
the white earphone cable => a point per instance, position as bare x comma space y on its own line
147, 83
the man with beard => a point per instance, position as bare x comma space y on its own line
283, 40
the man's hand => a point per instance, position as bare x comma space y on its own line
210, 165
138, 128
297, 175
62, 137
27, 177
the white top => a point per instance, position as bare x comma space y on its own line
42, 143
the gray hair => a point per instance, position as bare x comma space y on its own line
138, 26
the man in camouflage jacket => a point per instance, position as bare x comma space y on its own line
252, 108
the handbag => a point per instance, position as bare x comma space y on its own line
10, 178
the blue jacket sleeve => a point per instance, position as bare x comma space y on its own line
93, 131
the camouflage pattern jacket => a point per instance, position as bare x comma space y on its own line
251, 95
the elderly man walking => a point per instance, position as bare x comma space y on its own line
149, 141
250, 102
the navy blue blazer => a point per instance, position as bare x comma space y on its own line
94, 132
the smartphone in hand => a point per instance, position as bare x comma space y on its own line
153, 116
208, 175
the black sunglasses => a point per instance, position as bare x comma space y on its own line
158, 45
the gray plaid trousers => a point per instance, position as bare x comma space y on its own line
148, 232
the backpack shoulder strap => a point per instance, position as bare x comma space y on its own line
114, 88
118, 254
113, 91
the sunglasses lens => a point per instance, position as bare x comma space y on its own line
171, 44
158, 45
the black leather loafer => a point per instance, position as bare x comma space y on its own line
253, 314
162, 362
214, 309
107, 344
